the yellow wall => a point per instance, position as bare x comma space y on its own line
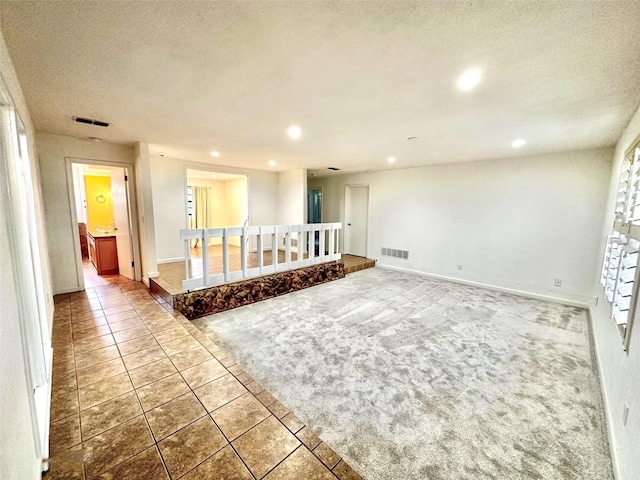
98, 214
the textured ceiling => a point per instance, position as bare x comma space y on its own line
358, 77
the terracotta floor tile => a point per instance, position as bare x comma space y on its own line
89, 324
91, 344
107, 415
137, 344
244, 378
278, 409
113, 300
309, 438
143, 357
89, 359
344, 472
190, 446
126, 324
84, 316
326, 454
162, 391
99, 372
64, 434
228, 362
171, 334
223, 465
236, 370
215, 394
239, 415
90, 332
293, 423
301, 464
152, 372
63, 384
265, 445
118, 309
63, 405
203, 373
254, 387
130, 334
191, 357
105, 390
172, 416
147, 465
66, 465
114, 446
266, 398
179, 345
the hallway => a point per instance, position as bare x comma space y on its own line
141, 393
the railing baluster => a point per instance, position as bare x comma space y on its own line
331, 242
243, 252
322, 239
260, 252
205, 256
225, 254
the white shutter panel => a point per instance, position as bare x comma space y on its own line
623, 190
623, 291
633, 205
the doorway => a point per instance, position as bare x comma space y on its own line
314, 205
103, 213
356, 217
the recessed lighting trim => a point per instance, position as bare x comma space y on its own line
215, 154
214, 176
391, 160
272, 163
469, 79
294, 132
517, 143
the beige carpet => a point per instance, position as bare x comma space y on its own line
412, 378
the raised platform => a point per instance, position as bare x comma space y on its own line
207, 301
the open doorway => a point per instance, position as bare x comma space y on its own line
102, 209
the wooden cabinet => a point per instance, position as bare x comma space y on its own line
103, 253
84, 247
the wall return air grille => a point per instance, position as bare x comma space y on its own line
392, 252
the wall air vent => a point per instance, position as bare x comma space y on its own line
392, 252
333, 168
90, 121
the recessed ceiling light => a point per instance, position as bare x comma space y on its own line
391, 160
412, 138
469, 79
518, 143
294, 132
272, 163
161, 154
215, 154
214, 176
95, 139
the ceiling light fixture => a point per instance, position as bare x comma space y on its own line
294, 132
215, 154
214, 176
469, 79
391, 160
272, 163
518, 143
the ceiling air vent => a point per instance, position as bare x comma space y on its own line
90, 121
333, 168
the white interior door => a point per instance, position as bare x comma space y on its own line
356, 220
121, 217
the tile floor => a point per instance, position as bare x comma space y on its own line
141, 393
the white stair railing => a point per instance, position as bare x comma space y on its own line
312, 244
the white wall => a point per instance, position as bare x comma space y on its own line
53, 150
512, 223
292, 197
620, 372
18, 456
169, 198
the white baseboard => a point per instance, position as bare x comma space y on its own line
68, 290
171, 260
605, 399
522, 293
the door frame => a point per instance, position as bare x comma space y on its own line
132, 208
366, 235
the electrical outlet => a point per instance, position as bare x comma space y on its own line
558, 282
459, 267
625, 413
